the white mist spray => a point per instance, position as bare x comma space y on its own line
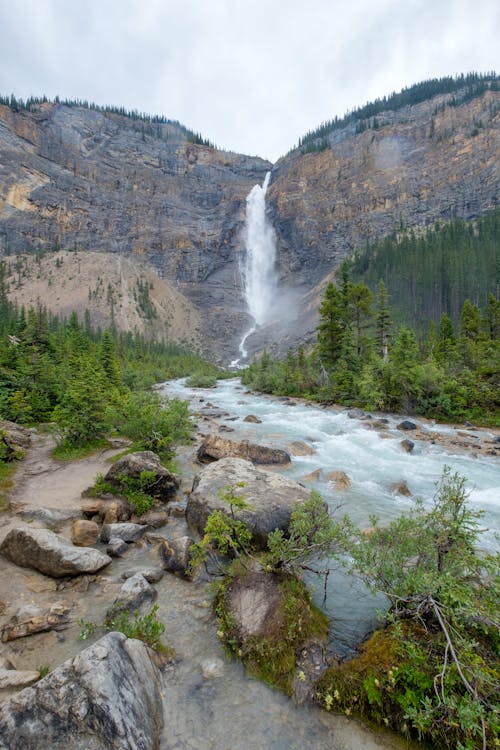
259, 275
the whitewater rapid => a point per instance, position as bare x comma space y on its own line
374, 461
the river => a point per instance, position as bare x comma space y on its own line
236, 711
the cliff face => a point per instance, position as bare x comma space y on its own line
74, 177
421, 163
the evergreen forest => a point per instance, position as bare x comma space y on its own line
411, 325
461, 88
88, 383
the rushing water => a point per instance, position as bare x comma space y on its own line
210, 702
372, 460
259, 275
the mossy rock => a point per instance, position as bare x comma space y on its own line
391, 682
267, 620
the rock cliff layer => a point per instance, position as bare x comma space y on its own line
73, 177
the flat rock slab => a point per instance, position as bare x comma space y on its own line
10, 678
271, 497
50, 517
105, 698
215, 447
45, 551
31, 619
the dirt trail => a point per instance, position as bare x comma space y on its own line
42, 481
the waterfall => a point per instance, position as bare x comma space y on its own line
259, 276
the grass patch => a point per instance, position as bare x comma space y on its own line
64, 452
147, 628
7, 471
136, 491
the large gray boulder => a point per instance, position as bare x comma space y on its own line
163, 485
271, 497
105, 698
50, 554
215, 447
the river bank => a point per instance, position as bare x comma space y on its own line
209, 701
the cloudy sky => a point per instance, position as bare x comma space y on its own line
252, 76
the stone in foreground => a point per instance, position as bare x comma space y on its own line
215, 447
271, 497
105, 698
49, 553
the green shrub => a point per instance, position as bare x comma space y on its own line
147, 628
199, 380
137, 491
153, 424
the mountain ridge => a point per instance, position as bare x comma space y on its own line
80, 178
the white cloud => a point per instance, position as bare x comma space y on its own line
251, 76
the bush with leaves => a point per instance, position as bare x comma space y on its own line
147, 628
312, 536
152, 423
224, 534
443, 679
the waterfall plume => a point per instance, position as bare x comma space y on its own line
259, 274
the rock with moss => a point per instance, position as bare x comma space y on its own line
14, 440
270, 498
161, 483
270, 622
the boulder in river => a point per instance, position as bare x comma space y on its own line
400, 488
135, 594
128, 532
406, 424
163, 484
50, 554
299, 448
106, 698
175, 555
407, 445
270, 621
215, 447
271, 497
252, 419
340, 480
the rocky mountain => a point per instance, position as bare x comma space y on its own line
73, 177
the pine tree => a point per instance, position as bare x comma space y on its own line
383, 321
